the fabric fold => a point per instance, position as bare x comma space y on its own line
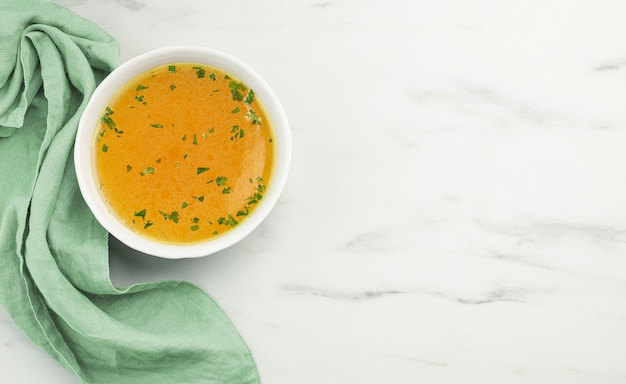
54, 274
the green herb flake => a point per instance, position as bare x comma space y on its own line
236, 110
158, 161
253, 117
184, 137
141, 87
156, 125
148, 224
128, 168
231, 220
195, 139
148, 171
250, 98
194, 227
195, 220
141, 214
199, 72
172, 87
139, 98
184, 205
221, 180
201, 170
226, 190
237, 96
172, 68
105, 148
213, 76
235, 90
211, 130
106, 118
170, 216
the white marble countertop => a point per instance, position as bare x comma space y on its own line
456, 209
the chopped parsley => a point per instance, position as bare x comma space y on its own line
228, 221
141, 87
172, 68
221, 180
156, 125
148, 171
105, 148
254, 117
141, 214
199, 72
106, 118
201, 170
250, 98
235, 90
170, 216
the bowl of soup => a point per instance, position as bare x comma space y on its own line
182, 151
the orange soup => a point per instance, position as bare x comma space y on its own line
184, 153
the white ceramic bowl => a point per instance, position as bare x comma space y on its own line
83, 156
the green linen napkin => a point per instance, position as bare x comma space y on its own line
54, 273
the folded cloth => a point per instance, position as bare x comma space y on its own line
54, 273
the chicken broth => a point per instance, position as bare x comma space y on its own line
184, 153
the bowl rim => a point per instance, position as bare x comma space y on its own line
142, 63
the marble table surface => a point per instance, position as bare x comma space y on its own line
456, 207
